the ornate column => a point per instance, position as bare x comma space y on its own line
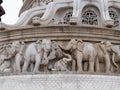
107, 21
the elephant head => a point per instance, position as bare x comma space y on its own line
107, 47
80, 45
56, 51
14, 48
38, 46
72, 45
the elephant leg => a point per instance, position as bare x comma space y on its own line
26, 63
73, 65
97, 65
31, 67
85, 66
18, 63
79, 61
107, 63
18, 68
37, 63
91, 64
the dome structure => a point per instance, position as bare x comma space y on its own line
62, 45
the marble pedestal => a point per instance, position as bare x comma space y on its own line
60, 82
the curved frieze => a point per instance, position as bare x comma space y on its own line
46, 55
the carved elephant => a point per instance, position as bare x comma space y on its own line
82, 51
33, 53
4, 64
54, 54
38, 53
61, 65
105, 52
51, 52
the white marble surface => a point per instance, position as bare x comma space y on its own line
60, 82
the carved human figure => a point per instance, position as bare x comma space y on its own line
104, 51
82, 51
61, 65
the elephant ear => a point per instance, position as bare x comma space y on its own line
80, 46
103, 48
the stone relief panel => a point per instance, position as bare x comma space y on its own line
48, 55
114, 14
90, 16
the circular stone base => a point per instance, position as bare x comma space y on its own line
60, 82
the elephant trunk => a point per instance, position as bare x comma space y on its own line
115, 53
22, 48
69, 58
45, 57
113, 60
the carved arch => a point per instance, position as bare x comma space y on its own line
90, 16
62, 16
115, 15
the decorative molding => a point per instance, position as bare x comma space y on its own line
60, 32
